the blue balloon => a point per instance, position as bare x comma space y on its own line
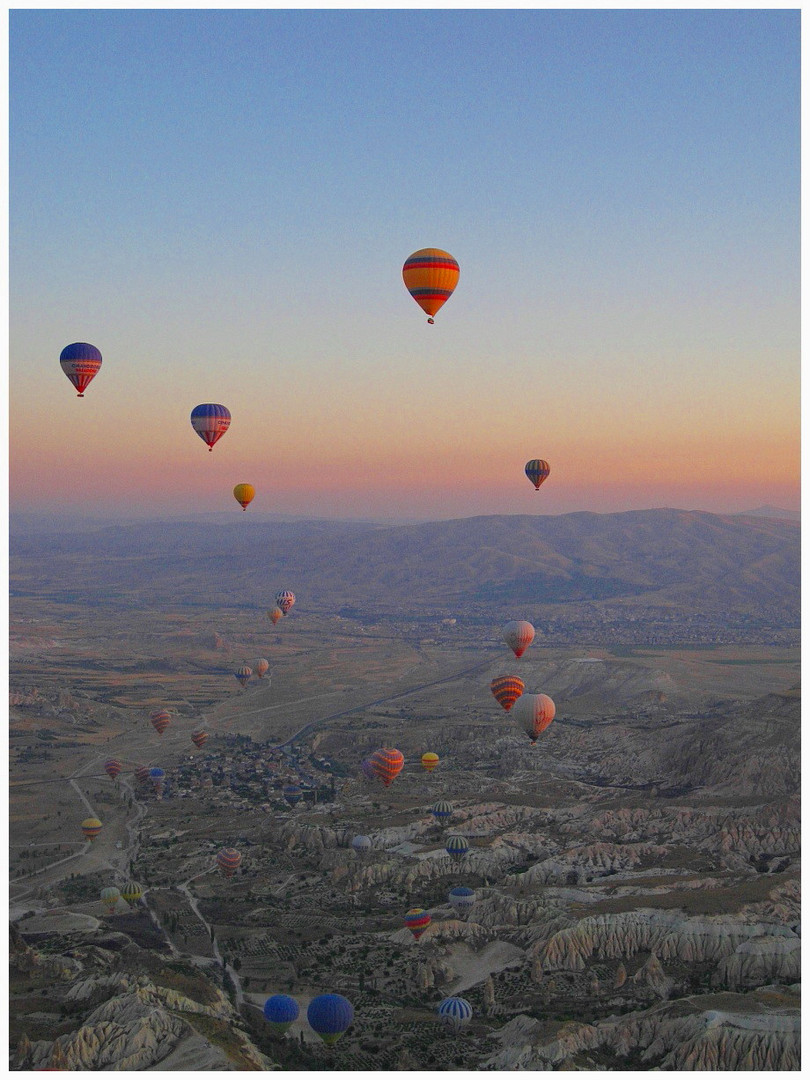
280, 1011
454, 1012
80, 350
329, 1015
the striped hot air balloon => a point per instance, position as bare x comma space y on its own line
417, 921
534, 713
280, 1011
228, 859
454, 1013
243, 675
142, 773
81, 363
110, 896
132, 892
430, 761
199, 738
461, 899
387, 764
210, 422
537, 470
284, 600
112, 768
507, 689
262, 667
457, 847
91, 827
430, 276
518, 636
329, 1016
441, 810
244, 494
160, 720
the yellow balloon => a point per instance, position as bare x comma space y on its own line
243, 493
430, 761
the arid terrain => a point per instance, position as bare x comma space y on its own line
636, 871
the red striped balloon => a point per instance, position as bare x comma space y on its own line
142, 773
160, 720
507, 689
228, 860
387, 764
112, 768
199, 738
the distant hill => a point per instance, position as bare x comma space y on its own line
772, 512
692, 561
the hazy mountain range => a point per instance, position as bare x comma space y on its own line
693, 561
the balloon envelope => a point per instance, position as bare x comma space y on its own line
228, 859
199, 738
244, 675
262, 667
461, 899
275, 614
534, 713
507, 689
417, 921
454, 1013
441, 810
160, 720
518, 636
91, 827
361, 844
457, 847
244, 494
210, 422
387, 764
537, 470
285, 600
430, 761
330, 1015
430, 276
81, 363
112, 768
280, 1011
132, 892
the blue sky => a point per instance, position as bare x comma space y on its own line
222, 202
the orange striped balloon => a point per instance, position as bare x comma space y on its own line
228, 859
430, 276
160, 720
507, 689
387, 764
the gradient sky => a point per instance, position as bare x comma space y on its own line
221, 202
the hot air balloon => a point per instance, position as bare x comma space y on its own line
430, 761
110, 897
244, 494
142, 773
518, 636
507, 689
80, 362
454, 1013
329, 1016
534, 712
285, 600
157, 776
280, 1011
160, 720
228, 859
457, 847
461, 899
262, 667
430, 276
368, 769
441, 810
112, 768
243, 675
361, 844
132, 892
417, 920
210, 422
537, 470
91, 827
292, 793
275, 614
387, 764
199, 738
